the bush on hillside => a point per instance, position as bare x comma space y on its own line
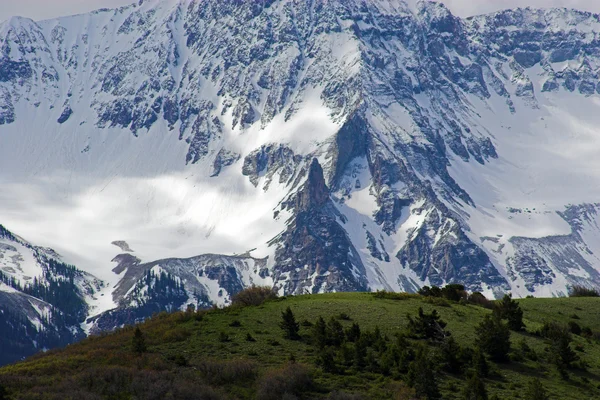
253, 296
290, 380
583, 291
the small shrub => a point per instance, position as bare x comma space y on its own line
224, 337
574, 316
178, 334
480, 300
292, 379
253, 296
437, 301
574, 328
582, 291
344, 317
273, 342
249, 338
180, 360
382, 294
535, 391
345, 396
227, 372
235, 324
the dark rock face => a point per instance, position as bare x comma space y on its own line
315, 193
224, 158
66, 114
315, 253
270, 160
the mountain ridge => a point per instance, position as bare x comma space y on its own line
428, 149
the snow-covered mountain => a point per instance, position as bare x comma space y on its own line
314, 145
43, 301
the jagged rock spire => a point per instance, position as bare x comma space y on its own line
315, 192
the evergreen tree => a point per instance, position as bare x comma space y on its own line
360, 354
450, 355
427, 326
327, 361
335, 333
138, 342
510, 310
493, 336
535, 391
353, 333
288, 323
480, 363
320, 333
561, 354
475, 389
421, 376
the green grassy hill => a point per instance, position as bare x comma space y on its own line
241, 353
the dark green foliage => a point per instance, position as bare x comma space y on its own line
427, 326
138, 342
285, 383
353, 333
326, 360
288, 324
422, 376
450, 354
559, 349
249, 338
509, 310
433, 291
452, 292
480, 364
536, 391
479, 299
235, 324
574, 328
335, 333
320, 333
253, 296
344, 317
224, 337
475, 389
582, 291
3, 392
493, 337
360, 354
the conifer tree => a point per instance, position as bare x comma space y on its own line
288, 323
535, 391
510, 310
427, 326
475, 389
421, 376
335, 333
493, 336
320, 333
480, 363
138, 341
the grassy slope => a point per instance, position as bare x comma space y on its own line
169, 336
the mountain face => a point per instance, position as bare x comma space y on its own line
43, 301
315, 146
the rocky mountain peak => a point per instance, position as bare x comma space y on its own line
314, 193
